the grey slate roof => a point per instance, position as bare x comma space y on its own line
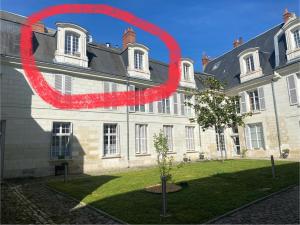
227, 67
101, 58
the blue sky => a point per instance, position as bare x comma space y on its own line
198, 26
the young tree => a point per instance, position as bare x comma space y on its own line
213, 108
164, 162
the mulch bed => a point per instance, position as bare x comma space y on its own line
157, 188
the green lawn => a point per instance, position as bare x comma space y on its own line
214, 188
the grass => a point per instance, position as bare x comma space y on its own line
213, 189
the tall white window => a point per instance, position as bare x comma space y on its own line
254, 136
292, 89
163, 106
186, 71
296, 35
182, 105
175, 103
249, 64
111, 137
110, 87
254, 101
72, 44
141, 139
138, 99
189, 138
61, 136
63, 83
188, 109
138, 59
168, 132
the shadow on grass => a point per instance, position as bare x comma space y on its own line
203, 199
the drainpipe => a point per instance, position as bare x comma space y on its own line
276, 117
127, 121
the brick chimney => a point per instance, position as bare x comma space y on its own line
286, 15
38, 27
205, 60
238, 42
129, 36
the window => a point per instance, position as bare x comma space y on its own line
150, 107
110, 87
164, 106
220, 140
60, 145
188, 109
141, 139
189, 138
186, 71
72, 44
138, 59
175, 102
296, 35
63, 83
110, 139
138, 98
292, 90
254, 101
167, 129
249, 64
254, 135
257, 99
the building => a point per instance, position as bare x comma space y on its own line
36, 137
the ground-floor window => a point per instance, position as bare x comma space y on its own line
111, 137
61, 136
141, 139
254, 135
168, 132
189, 138
220, 140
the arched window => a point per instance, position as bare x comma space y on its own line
186, 71
138, 59
72, 43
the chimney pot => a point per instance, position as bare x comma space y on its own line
129, 36
286, 15
38, 27
205, 60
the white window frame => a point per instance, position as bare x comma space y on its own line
255, 107
175, 104
296, 37
54, 153
141, 143
190, 138
139, 97
168, 132
110, 152
249, 138
249, 61
186, 71
138, 59
72, 45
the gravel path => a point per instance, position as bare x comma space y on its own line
33, 203
282, 208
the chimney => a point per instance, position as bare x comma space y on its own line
238, 42
205, 60
38, 27
129, 36
286, 15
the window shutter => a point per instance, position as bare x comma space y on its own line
243, 102
182, 106
248, 138
68, 85
114, 89
132, 107
159, 106
175, 103
150, 107
58, 82
261, 97
291, 82
137, 138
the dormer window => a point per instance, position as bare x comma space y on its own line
250, 64
138, 59
296, 35
186, 71
72, 43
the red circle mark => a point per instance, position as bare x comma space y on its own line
95, 100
